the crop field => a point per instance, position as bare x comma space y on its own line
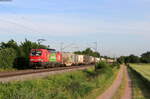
143, 69
140, 88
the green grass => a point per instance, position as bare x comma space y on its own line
143, 69
72, 85
140, 82
8, 69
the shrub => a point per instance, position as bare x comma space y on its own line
101, 65
7, 57
115, 64
21, 63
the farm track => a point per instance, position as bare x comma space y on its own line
38, 73
110, 92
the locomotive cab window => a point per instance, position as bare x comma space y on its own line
36, 53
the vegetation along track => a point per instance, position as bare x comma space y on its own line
30, 74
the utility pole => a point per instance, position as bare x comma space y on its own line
95, 50
61, 50
61, 46
95, 46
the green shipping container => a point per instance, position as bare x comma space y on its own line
53, 57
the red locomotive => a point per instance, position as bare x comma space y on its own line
45, 58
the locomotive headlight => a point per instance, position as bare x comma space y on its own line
40, 60
32, 59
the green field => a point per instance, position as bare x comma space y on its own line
140, 80
143, 69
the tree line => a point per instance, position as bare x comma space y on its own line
88, 52
14, 55
144, 58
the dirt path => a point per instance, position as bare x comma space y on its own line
110, 92
128, 88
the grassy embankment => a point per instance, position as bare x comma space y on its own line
140, 75
8, 69
72, 85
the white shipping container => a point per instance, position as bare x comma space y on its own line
80, 59
97, 59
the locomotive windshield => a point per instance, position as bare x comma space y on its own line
36, 53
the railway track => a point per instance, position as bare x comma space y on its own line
38, 73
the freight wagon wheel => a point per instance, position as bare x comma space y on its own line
46, 66
64, 65
52, 65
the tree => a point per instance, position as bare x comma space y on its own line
121, 59
132, 59
10, 44
88, 52
96, 54
78, 52
145, 57
7, 57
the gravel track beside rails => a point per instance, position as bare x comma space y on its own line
32, 74
128, 87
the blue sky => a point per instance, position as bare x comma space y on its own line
120, 27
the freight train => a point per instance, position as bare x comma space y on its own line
46, 58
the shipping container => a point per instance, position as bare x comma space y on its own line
67, 58
97, 60
91, 60
80, 59
75, 59
86, 59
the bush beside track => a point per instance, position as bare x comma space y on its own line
73, 85
7, 57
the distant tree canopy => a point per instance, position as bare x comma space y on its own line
107, 57
132, 59
88, 52
121, 59
145, 58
